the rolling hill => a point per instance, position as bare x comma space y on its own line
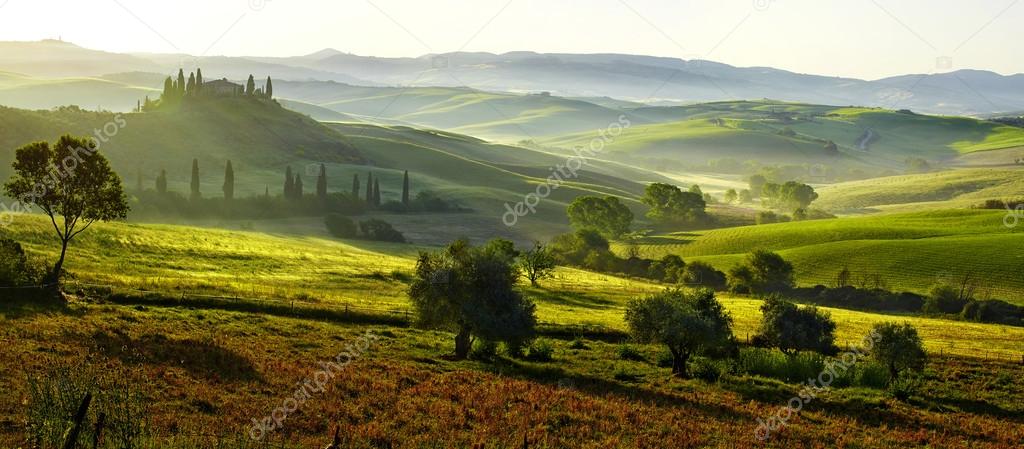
939, 190
910, 251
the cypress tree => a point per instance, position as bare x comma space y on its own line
266, 191
298, 187
181, 83
369, 189
168, 89
250, 86
289, 183
376, 192
269, 89
190, 88
199, 81
195, 180
229, 182
405, 189
321, 183
355, 186
161, 182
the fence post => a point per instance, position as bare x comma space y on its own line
97, 436
72, 439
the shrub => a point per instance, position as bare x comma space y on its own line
484, 350
340, 226
944, 299
774, 364
541, 351
707, 370
704, 275
627, 352
578, 344
993, 311
872, 375
380, 231
905, 386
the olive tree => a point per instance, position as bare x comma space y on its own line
70, 180
537, 263
791, 329
898, 347
471, 291
687, 323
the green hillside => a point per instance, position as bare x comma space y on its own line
771, 131
945, 189
909, 251
259, 137
113, 94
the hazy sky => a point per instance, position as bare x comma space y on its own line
858, 38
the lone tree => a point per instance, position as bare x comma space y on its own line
898, 347
229, 182
537, 263
670, 205
84, 191
195, 181
687, 323
763, 272
321, 181
268, 90
791, 329
471, 292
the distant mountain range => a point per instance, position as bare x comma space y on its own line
648, 79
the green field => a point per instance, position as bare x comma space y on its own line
178, 260
911, 251
939, 190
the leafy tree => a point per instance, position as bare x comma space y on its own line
669, 205
195, 195
702, 274
472, 293
605, 215
86, 191
321, 182
844, 278
340, 226
355, 186
771, 273
945, 298
537, 263
405, 189
668, 269
161, 182
268, 90
741, 279
687, 323
756, 183
791, 329
745, 197
696, 189
898, 347
250, 86
730, 196
380, 231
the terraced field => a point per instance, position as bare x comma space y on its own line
911, 251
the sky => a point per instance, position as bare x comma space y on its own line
866, 39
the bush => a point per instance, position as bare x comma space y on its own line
380, 231
340, 226
905, 386
791, 328
484, 350
993, 311
944, 299
627, 352
541, 351
578, 344
704, 275
872, 375
774, 364
898, 348
707, 370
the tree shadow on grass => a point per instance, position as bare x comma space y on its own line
567, 298
14, 308
203, 359
596, 386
